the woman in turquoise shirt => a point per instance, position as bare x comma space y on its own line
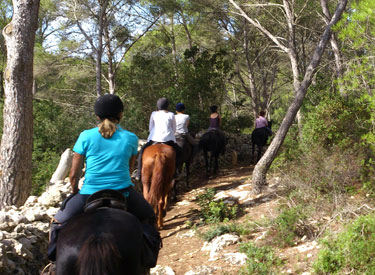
110, 153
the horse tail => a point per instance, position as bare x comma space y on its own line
158, 175
99, 255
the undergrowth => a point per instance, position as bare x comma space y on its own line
260, 260
238, 229
351, 251
213, 211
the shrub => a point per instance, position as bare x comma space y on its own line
352, 250
288, 226
221, 229
260, 260
215, 210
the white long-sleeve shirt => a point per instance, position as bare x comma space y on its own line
162, 126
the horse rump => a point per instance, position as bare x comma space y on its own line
101, 242
99, 255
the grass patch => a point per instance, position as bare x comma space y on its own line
288, 226
213, 211
221, 229
352, 251
260, 260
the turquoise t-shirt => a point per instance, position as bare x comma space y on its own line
107, 160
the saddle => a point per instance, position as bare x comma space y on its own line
105, 198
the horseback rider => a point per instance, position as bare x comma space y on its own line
182, 123
109, 152
215, 119
162, 127
262, 122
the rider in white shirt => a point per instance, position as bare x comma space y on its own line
162, 127
182, 123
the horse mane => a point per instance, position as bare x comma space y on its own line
158, 176
99, 256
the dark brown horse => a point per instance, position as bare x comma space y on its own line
259, 138
214, 142
105, 241
158, 168
186, 158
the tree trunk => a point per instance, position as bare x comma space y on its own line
111, 74
260, 170
16, 143
99, 51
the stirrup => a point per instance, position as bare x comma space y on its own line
49, 269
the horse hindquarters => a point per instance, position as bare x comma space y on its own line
105, 241
161, 184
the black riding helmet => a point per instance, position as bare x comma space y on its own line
162, 103
108, 106
180, 107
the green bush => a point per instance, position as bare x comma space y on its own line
288, 226
260, 260
352, 251
213, 211
221, 229
334, 121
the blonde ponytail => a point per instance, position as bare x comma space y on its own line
107, 128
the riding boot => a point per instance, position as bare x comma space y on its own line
152, 243
55, 227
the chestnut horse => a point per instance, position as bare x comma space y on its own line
158, 168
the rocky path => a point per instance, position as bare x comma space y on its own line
186, 253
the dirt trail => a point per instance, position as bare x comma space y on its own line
182, 246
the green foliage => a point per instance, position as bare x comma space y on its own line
351, 251
288, 226
240, 229
55, 130
335, 121
197, 80
213, 211
260, 260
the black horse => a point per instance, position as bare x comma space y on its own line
185, 158
214, 142
259, 138
104, 241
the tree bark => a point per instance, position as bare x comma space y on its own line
16, 143
260, 170
99, 53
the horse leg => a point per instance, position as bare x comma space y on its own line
206, 161
187, 169
216, 167
211, 160
260, 150
253, 152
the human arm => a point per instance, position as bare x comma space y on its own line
132, 162
75, 172
151, 123
219, 120
174, 124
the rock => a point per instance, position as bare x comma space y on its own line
162, 270
202, 270
235, 258
63, 167
218, 243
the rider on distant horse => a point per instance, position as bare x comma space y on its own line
261, 122
109, 152
215, 119
162, 127
182, 123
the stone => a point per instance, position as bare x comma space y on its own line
162, 270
